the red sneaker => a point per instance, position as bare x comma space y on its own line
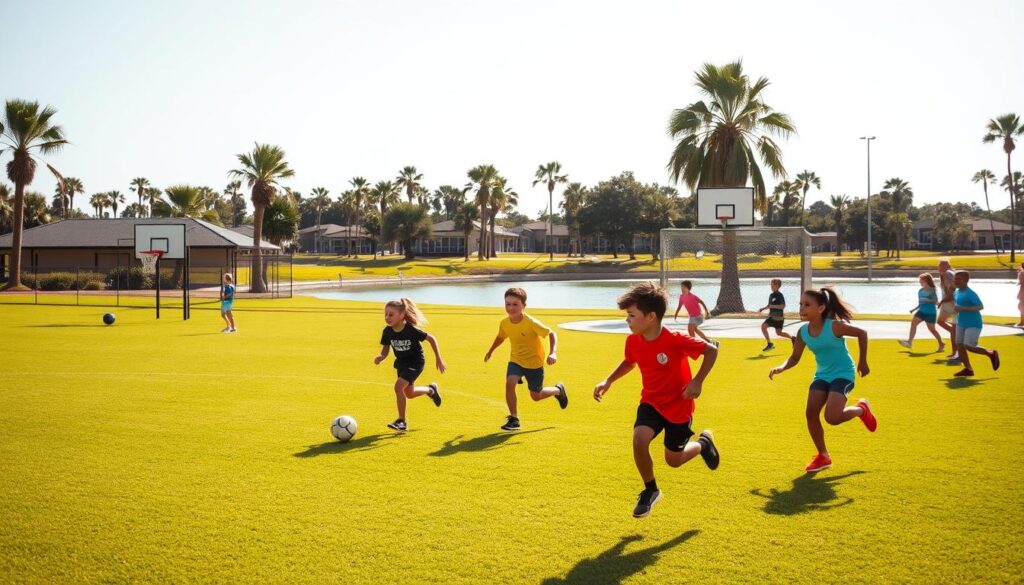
994, 356
867, 418
818, 463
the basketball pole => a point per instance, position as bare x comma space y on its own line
158, 287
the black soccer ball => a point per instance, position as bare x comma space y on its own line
108, 318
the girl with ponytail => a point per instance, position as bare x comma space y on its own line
404, 337
828, 318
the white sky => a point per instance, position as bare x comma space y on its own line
173, 90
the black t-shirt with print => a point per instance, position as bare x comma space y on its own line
776, 298
407, 345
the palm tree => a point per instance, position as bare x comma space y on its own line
804, 181
139, 185
839, 205
503, 199
320, 199
115, 199
134, 210
37, 212
152, 196
986, 178
360, 192
261, 169
719, 144
788, 191
464, 216
26, 128
1006, 129
233, 191
450, 198
385, 194
99, 202
6, 208
482, 177
185, 201
72, 185
549, 173
281, 221
409, 179
901, 197
573, 199
405, 223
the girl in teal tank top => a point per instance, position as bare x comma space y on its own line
825, 334
925, 311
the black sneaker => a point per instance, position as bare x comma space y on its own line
399, 425
645, 502
435, 394
562, 397
512, 424
708, 451
769, 347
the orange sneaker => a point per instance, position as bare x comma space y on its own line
818, 463
867, 418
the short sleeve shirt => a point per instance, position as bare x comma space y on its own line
926, 299
776, 298
691, 303
525, 337
665, 371
966, 298
407, 345
229, 292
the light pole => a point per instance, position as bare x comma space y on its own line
868, 139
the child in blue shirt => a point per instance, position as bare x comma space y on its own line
925, 311
968, 307
227, 301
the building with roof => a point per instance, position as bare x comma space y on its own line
985, 235
332, 238
445, 240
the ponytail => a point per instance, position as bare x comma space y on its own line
413, 315
835, 306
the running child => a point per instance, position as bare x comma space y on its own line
968, 309
776, 307
827, 319
668, 391
693, 305
925, 311
946, 312
227, 302
1020, 294
403, 336
527, 357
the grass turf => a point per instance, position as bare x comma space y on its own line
166, 452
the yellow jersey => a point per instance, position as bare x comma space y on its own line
525, 337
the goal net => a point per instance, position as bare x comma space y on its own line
731, 267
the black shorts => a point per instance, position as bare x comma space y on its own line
775, 322
409, 373
676, 434
839, 386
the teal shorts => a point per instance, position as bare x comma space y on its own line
225, 306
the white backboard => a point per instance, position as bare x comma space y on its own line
714, 202
169, 238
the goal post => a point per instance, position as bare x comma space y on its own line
732, 256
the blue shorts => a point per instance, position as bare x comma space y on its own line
225, 306
926, 317
534, 376
839, 386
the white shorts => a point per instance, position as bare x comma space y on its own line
946, 311
696, 320
968, 335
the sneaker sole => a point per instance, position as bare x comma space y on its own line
714, 447
817, 469
651, 509
563, 395
437, 394
868, 405
398, 430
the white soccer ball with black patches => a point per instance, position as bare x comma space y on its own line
344, 428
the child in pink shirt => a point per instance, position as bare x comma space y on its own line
693, 306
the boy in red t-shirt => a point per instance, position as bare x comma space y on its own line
666, 401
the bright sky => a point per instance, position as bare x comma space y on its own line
173, 90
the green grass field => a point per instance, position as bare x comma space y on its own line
163, 451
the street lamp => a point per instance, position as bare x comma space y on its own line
868, 139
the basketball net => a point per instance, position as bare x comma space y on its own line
149, 259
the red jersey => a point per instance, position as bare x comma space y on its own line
665, 371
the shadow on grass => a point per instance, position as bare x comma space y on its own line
615, 565
759, 357
810, 492
483, 443
964, 383
364, 443
65, 325
915, 354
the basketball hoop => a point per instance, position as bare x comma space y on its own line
149, 259
725, 218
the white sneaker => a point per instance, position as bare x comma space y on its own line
225, 330
905, 343
232, 330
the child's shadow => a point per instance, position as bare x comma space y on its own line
915, 354
613, 566
760, 357
810, 492
482, 443
364, 443
964, 383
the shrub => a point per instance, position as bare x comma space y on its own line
54, 281
128, 278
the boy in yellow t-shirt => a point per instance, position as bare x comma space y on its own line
527, 356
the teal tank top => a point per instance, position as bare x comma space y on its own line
834, 360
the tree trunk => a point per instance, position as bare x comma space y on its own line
407, 248
483, 233
1013, 214
493, 252
729, 298
17, 227
257, 284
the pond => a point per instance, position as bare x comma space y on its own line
883, 296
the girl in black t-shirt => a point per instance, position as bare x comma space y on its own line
406, 339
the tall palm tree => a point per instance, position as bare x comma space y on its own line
233, 191
134, 210
26, 128
482, 178
986, 178
281, 221
60, 199
450, 199
503, 199
385, 194
152, 196
549, 173
139, 185
261, 169
360, 192
185, 201
115, 199
1006, 129
573, 199
37, 212
901, 197
409, 179
99, 202
804, 181
72, 186
788, 191
464, 216
839, 205
719, 144
320, 199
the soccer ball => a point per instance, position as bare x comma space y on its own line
108, 318
344, 428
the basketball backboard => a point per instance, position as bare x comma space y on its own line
169, 238
731, 206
